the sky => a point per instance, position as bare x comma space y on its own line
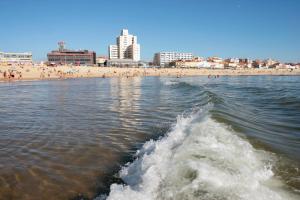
227, 28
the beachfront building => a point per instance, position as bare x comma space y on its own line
270, 62
25, 57
193, 63
113, 52
163, 59
76, 57
292, 65
257, 64
126, 47
245, 63
216, 62
280, 66
231, 63
101, 61
215, 59
123, 63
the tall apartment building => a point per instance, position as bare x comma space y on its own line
126, 47
164, 58
16, 57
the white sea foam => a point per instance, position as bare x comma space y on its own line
199, 159
169, 82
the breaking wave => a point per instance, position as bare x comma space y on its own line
200, 158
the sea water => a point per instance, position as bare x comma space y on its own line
151, 138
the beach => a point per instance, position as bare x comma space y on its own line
43, 72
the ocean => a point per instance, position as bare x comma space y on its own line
151, 138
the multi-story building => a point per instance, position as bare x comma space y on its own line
164, 58
230, 63
126, 47
215, 59
257, 64
65, 56
113, 52
270, 62
194, 63
16, 57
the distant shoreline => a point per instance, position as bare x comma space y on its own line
32, 73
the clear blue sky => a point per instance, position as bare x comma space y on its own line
226, 28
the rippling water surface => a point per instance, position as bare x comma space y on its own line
187, 138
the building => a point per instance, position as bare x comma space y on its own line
124, 63
165, 58
113, 52
270, 62
230, 63
16, 57
257, 64
64, 56
194, 63
126, 47
215, 59
101, 61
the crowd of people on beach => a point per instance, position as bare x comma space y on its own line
16, 72
11, 74
41, 71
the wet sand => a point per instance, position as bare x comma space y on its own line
30, 72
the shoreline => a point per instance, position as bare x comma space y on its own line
37, 73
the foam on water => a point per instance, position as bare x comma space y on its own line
200, 159
169, 82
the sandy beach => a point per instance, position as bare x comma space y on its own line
30, 72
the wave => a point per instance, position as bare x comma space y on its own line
200, 158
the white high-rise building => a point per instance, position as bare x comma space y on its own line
126, 47
113, 52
